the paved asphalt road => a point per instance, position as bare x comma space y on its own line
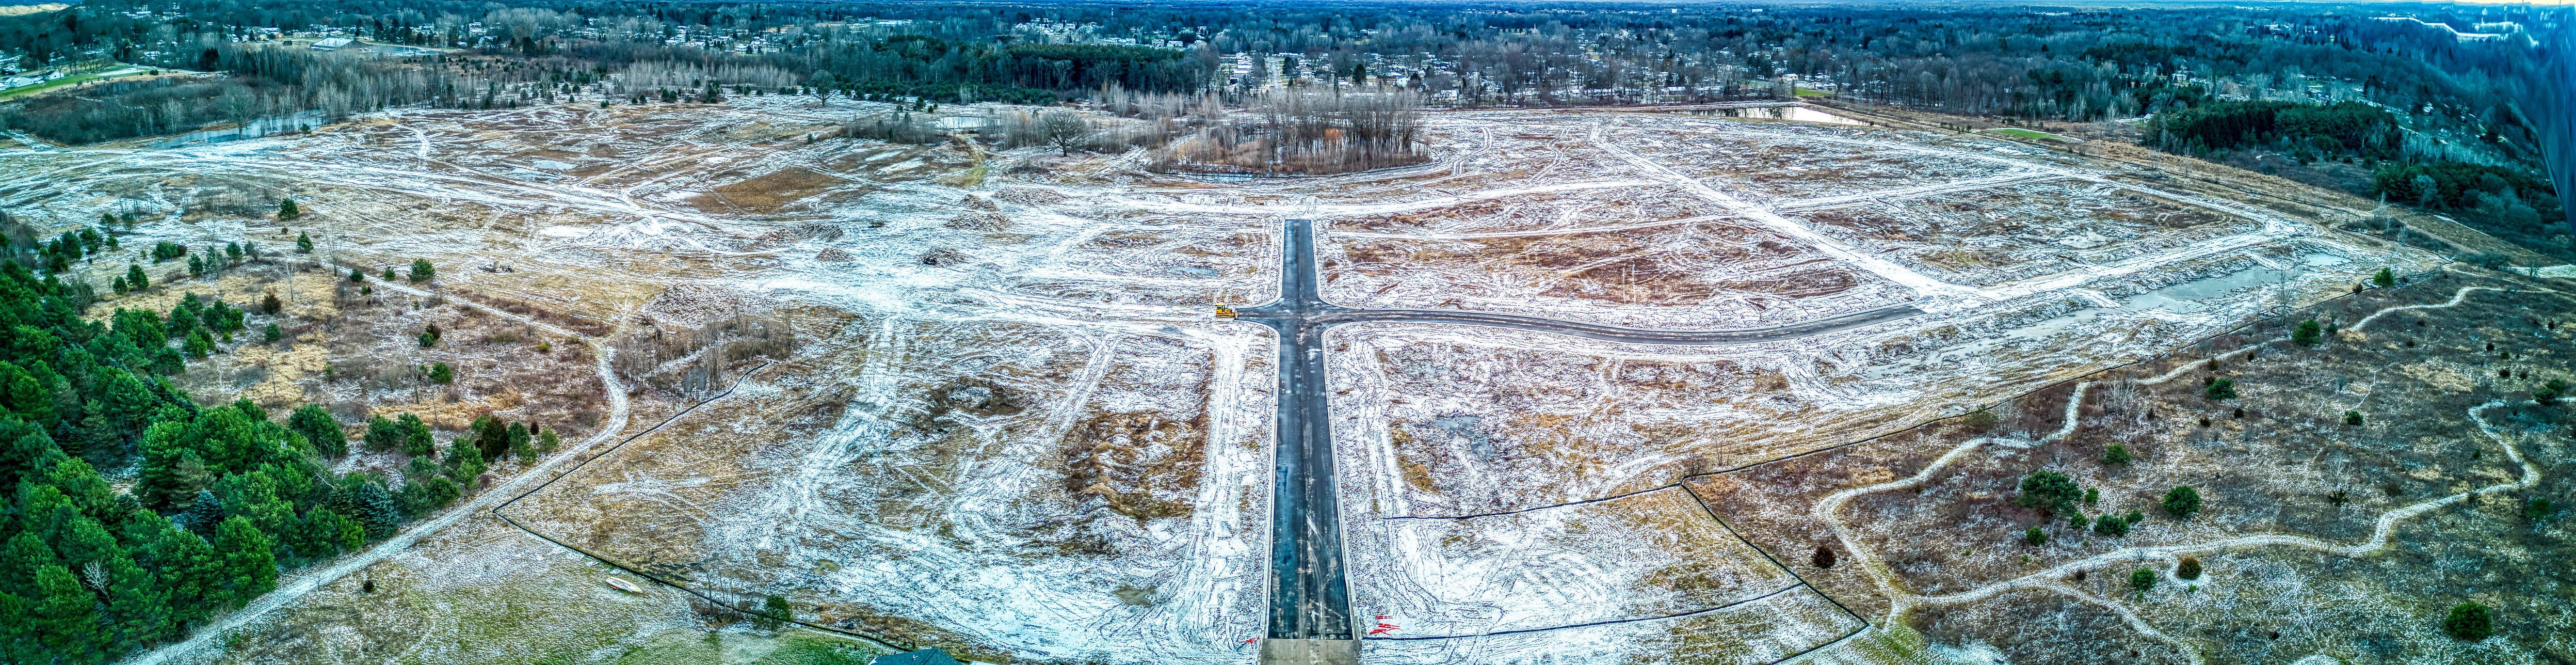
1309, 597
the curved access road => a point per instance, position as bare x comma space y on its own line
1620, 334
1310, 617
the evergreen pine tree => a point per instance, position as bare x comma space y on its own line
376, 511
464, 461
421, 271
86, 543
140, 608
491, 437
2049, 491
204, 513
186, 565
19, 559
425, 491
325, 532
519, 443
286, 209
774, 613
249, 560
320, 428
166, 362
383, 434
2384, 279
65, 617
416, 438
135, 279
2182, 501
2469, 622
303, 242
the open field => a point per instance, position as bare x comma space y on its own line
977, 400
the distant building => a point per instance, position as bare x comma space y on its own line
922, 657
332, 44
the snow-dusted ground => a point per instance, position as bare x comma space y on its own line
1643, 555
1082, 284
1438, 421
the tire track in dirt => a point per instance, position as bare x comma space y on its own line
1902, 602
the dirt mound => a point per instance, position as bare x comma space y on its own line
694, 305
1146, 466
979, 221
818, 232
943, 257
1030, 195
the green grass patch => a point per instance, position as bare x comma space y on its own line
1811, 92
2032, 134
76, 79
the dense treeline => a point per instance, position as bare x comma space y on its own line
280, 89
223, 497
2507, 202
1296, 132
920, 66
2057, 65
2479, 102
2062, 65
2216, 78
86, 571
953, 71
2346, 129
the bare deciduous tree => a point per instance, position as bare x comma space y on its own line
1063, 129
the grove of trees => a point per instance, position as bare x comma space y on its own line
223, 497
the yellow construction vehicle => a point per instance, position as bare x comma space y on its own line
1224, 312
